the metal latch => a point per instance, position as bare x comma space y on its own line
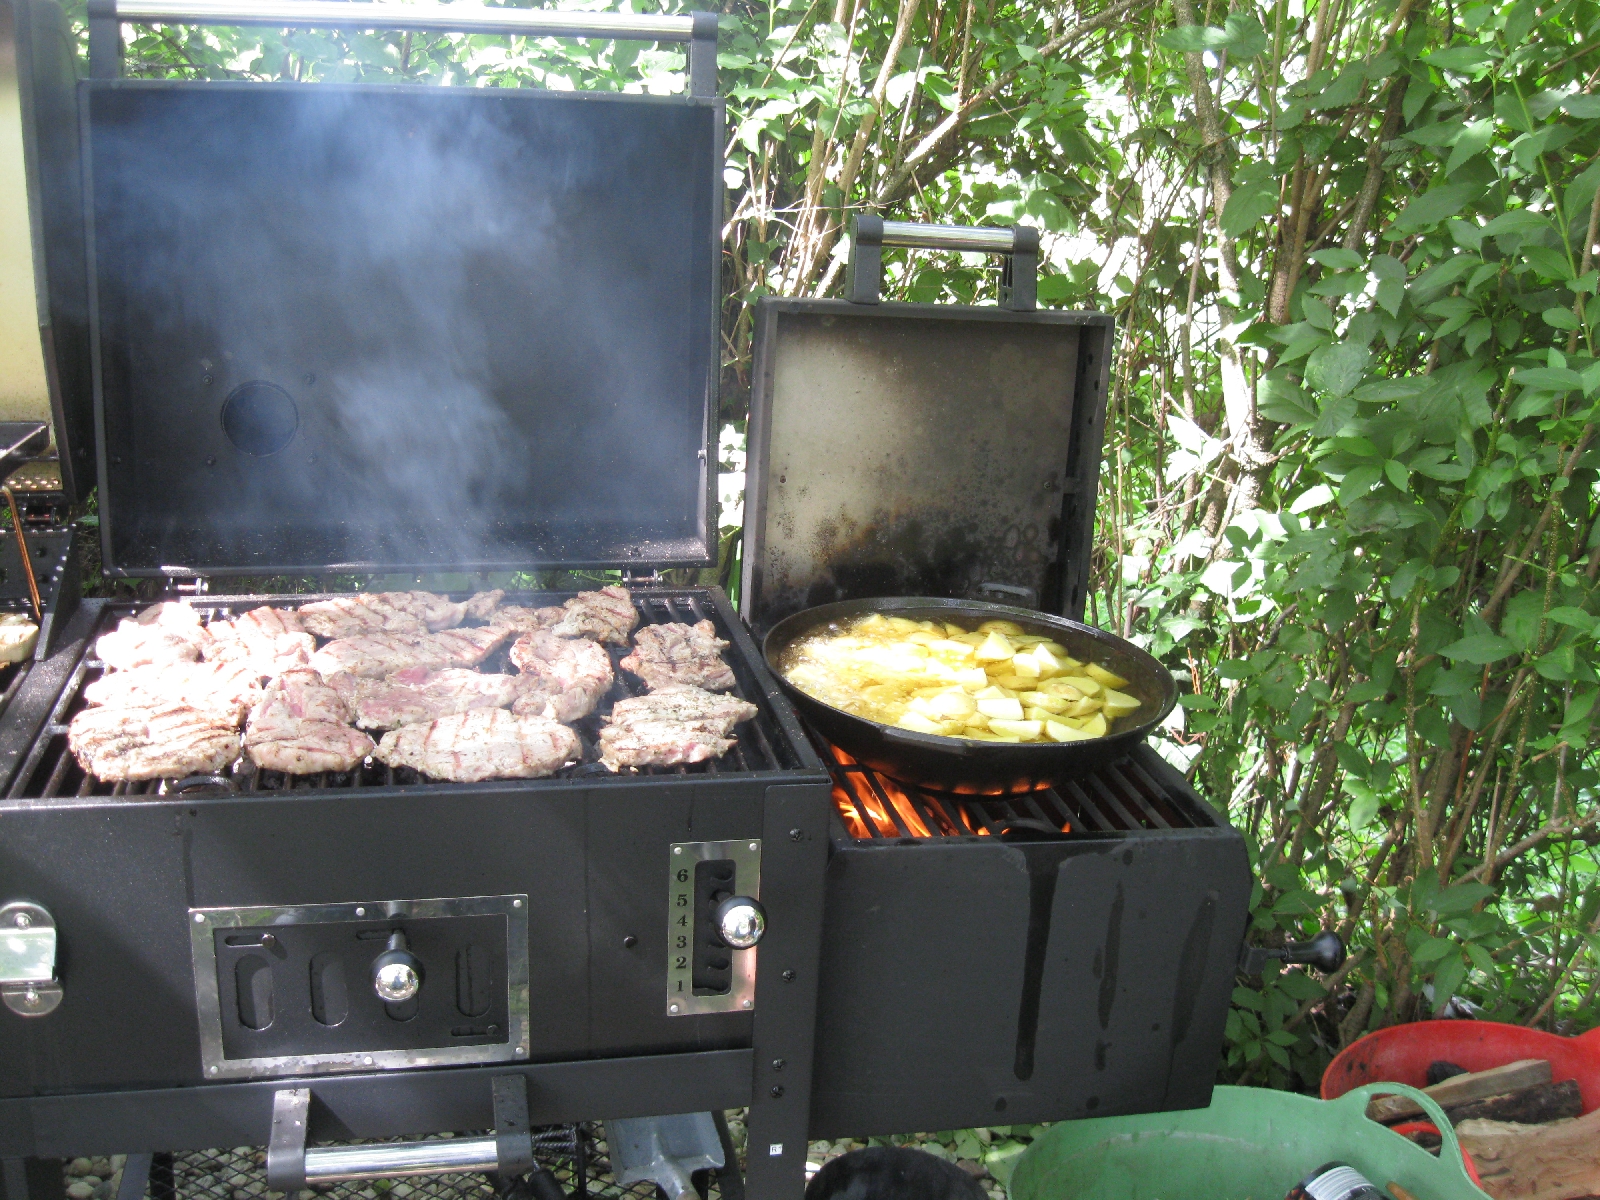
28, 983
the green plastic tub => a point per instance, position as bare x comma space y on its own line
1251, 1144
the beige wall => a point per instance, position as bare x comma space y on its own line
23, 393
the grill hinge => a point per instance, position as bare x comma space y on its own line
28, 982
197, 585
635, 575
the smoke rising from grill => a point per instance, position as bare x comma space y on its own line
485, 319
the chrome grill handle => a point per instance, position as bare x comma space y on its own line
870, 234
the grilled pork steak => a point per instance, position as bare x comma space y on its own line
417, 695
658, 743
302, 726
224, 690
526, 620
605, 616
562, 678
373, 656
267, 640
168, 632
393, 612
691, 706
486, 743
118, 743
675, 653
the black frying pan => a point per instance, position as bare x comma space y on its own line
959, 765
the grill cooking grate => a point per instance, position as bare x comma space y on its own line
50, 770
1136, 792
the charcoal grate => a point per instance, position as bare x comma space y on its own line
51, 771
240, 1174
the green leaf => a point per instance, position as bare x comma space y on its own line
1397, 474
1480, 648
1246, 38
1432, 950
1433, 206
1337, 258
1472, 142
1560, 318
1247, 206
1192, 39
1584, 107
1337, 368
1283, 402
1463, 60
1364, 805
1459, 898
1548, 379
1446, 979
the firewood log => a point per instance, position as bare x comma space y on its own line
1462, 1089
1536, 1162
1528, 1106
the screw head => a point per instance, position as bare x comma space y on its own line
516, 904
629, 942
211, 1070
777, 1090
310, 378
367, 1060
672, 1008
361, 912
788, 976
748, 1004
199, 918
797, 835
23, 920
211, 460
754, 846
206, 379
677, 849
779, 1064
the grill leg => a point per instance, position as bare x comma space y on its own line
794, 852
31, 1179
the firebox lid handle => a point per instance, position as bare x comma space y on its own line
703, 55
870, 234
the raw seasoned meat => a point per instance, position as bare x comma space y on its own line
224, 690
418, 695
606, 616
375, 655
690, 706
526, 620
562, 678
302, 726
117, 743
659, 743
267, 640
674, 653
486, 743
168, 632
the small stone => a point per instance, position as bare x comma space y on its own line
402, 1190
79, 1166
308, 1196
101, 1167
976, 1169
820, 1147
92, 1180
240, 1194
79, 1190
118, 1161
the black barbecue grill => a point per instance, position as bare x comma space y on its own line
273, 393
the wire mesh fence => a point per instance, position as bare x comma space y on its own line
576, 1155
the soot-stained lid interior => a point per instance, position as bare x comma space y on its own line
346, 328
921, 450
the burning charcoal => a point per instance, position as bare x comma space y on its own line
375, 655
605, 616
168, 632
675, 653
1441, 1070
487, 743
562, 678
417, 695
134, 743
302, 726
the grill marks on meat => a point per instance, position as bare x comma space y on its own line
418, 695
374, 656
677, 724
127, 744
675, 653
486, 743
168, 632
562, 679
526, 620
605, 616
393, 612
224, 690
302, 726
266, 640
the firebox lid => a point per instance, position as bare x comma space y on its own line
921, 450
394, 328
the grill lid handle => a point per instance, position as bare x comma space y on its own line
698, 29
870, 234
1326, 952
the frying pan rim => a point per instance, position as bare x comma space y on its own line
957, 745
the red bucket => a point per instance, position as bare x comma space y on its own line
1401, 1054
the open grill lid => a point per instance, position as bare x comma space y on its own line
923, 449
375, 328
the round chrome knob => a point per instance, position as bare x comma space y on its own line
396, 981
397, 973
740, 921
